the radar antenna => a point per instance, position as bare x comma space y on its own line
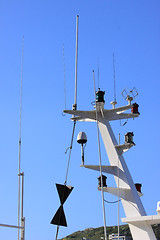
129, 95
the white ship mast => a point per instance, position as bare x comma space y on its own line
139, 222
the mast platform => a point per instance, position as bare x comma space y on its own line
151, 219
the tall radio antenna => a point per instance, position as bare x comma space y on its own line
19, 161
59, 218
64, 78
20, 174
114, 78
98, 72
76, 66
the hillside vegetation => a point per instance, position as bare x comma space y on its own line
97, 233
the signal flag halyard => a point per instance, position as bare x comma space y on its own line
63, 192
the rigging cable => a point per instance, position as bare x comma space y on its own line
118, 191
111, 201
100, 164
70, 152
65, 183
122, 125
19, 160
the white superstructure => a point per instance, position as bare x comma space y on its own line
139, 222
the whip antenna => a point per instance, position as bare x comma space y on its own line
59, 218
19, 161
21, 106
98, 72
76, 66
64, 79
74, 107
114, 78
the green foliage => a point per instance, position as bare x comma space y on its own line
97, 233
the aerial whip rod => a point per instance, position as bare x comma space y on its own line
100, 163
114, 79
74, 107
76, 65
21, 106
64, 78
19, 160
98, 72
59, 218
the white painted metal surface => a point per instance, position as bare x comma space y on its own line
11, 226
158, 208
139, 223
152, 219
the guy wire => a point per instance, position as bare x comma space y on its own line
65, 183
118, 190
70, 152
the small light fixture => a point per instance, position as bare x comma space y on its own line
129, 137
103, 181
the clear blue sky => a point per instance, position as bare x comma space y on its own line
130, 29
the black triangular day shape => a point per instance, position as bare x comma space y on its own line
59, 218
63, 192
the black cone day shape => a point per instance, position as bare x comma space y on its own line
63, 192
59, 218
